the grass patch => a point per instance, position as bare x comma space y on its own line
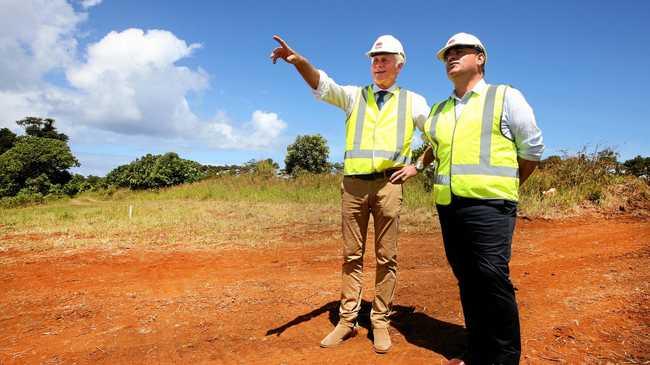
255, 210
230, 210
586, 181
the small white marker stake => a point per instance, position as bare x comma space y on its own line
130, 211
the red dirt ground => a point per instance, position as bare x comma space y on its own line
582, 286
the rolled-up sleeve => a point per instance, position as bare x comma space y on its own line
332, 93
520, 120
420, 110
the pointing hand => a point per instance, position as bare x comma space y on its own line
284, 51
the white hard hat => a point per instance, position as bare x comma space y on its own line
461, 39
386, 44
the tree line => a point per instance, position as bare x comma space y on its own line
37, 165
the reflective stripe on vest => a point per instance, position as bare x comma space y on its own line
365, 115
434, 119
495, 174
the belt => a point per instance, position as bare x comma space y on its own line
375, 175
463, 201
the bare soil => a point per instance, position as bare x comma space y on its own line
582, 287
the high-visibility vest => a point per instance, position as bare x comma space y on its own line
474, 158
376, 140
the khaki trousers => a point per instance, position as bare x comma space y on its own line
383, 200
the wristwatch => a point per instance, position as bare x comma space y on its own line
419, 165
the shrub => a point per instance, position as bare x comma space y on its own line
155, 171
638, 166
584, 177
24, 197
265, 168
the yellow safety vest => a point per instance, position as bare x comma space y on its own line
475, 160
376, 140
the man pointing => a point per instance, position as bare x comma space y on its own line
379, 125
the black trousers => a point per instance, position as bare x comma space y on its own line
477, 236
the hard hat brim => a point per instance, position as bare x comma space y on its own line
371, 53
441, 53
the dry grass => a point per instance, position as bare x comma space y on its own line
259, 210
589, 182
621, 194
227, 211
79, 223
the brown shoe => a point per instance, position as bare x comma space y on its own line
381, 340
340, 333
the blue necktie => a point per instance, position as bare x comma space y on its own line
381, 98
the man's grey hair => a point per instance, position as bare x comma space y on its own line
399, 59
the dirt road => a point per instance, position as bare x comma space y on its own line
583, 292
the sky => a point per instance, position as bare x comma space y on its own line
125, 78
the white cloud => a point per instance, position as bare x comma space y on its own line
262, 131
36, 37
99, 164
266, 127
90, 3
17, 105
130, 83
128, 87
130, 53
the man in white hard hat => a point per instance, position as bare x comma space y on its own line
486, 143
380, 120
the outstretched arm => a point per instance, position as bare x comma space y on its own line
306, 70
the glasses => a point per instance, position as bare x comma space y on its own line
462, 47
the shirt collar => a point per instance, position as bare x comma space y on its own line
479, 88
376, 88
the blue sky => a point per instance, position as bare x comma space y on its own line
126, 78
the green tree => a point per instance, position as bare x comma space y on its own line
41, 127
39, 185
307, 153
7, 139
78, 183
156, 171
638, 166
96, 182
42, 161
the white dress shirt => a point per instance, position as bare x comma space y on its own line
345, 96
517, 121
